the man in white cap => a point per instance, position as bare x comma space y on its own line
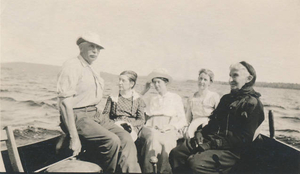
80, 89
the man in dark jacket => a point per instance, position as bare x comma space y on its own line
217, 146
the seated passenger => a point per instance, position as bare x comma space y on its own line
203, 102
80, 90
125, 107
218, 145
165, 114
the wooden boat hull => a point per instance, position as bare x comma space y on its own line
37, 155
266, 155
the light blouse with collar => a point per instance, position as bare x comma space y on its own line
79, 80
166, 110
202, 107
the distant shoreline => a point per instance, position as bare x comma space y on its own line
273, 85
24, 66
294, 86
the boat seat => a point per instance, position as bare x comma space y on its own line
74, 166
67, 165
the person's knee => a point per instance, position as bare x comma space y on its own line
192, 163
201, 162
180, 152
172, 157
195, 163
173, 154
149, 139
114, 141
127, 138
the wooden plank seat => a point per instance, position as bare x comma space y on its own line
67, 165
73, 166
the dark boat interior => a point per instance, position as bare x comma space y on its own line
265, 156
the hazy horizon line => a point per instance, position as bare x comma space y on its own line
187, 79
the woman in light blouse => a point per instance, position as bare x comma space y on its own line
202, 103
165, 116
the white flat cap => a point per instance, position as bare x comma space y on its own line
89, 37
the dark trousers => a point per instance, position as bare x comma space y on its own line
104, 140
211, 161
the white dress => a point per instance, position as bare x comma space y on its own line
162, 111
199, 109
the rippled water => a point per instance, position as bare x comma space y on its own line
28, 103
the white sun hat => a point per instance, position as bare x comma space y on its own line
89, 37
159, 72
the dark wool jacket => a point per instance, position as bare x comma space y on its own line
233, 123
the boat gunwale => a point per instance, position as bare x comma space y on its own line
56, 136
281, 142
4, 148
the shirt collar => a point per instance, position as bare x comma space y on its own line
166, 94
83, 61
115, 95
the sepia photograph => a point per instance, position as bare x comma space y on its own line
185, 86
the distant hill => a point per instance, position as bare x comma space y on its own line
23, 67
263, 84
52, 70
279, 85
30, 67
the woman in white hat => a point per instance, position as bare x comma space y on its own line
165, 116
202, 103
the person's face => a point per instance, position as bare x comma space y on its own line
89, 51
203, 81
238, 78
160, 85
124, 83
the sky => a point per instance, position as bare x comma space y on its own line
181, 36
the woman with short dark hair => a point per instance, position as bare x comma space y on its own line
125, 107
